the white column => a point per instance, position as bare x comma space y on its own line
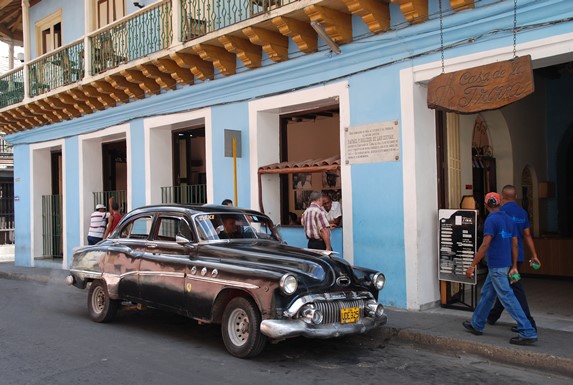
89, 26
176, 21
11, 55
27, 48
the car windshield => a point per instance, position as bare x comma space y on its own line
215, 226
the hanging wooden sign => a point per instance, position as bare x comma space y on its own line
482, 88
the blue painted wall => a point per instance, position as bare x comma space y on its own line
137, 165
72, 195
231, 117
73, 20
23, 236
371, 66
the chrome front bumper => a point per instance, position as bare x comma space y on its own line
287, 328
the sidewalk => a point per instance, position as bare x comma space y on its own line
435, 329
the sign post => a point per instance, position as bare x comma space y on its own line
457, 243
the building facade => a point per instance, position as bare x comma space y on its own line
143, 104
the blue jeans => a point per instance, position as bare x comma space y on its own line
497, 285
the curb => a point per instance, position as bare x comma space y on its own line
506, 355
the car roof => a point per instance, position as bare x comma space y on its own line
194, 209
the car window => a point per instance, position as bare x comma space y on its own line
234, 226
138, 228
170, 227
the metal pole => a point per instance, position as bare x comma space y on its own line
236, 196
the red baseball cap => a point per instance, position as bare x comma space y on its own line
492, 199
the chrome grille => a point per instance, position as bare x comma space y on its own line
331, 309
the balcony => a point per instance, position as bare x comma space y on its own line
173, 43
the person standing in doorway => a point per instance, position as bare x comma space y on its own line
98, 224
333, 210
316, 226
114, 218
500, 245
521, 221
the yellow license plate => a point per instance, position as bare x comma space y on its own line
349, 315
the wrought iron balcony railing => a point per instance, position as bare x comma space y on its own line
135, 36
199, 17
56, 69
12, 87
132, 37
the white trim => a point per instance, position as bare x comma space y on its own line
201, 116
37, 224
544, 52
116, 132
276, 105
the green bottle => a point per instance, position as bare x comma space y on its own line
535, 265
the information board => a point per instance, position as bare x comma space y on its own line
457, 244
376, 142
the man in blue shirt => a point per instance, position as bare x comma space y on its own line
521, 220
500, 245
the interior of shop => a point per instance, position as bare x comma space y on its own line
528, 144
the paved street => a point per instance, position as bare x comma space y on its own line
47, 338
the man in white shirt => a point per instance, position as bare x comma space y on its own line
98, 223
333, 210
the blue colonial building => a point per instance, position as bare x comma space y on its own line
262, 101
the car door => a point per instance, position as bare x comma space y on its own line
125, 254
163, 266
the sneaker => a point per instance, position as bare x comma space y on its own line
515, 329
491, 321
522, 341
468, 325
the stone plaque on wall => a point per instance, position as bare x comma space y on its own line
376, 142
482, 88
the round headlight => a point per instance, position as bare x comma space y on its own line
378, 281
288, 284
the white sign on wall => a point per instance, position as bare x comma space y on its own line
376, 142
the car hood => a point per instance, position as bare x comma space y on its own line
315, 266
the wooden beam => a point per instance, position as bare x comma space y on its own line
82, 107
104, 99
67, 109
460, 5
131, 89
148, 85
164, 80
30, 117
58, 113
35, 109
224, 61
415, 11
79, 95
338, 25
117, 94
38, 116
248, 53
181, 75
301, 33
202, 69
274, 44
375, 14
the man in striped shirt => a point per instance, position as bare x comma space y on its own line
316, 226
98, 223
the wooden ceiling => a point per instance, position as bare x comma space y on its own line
11, 22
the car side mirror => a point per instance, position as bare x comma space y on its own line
181, 240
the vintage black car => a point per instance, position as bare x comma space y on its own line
228, 266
